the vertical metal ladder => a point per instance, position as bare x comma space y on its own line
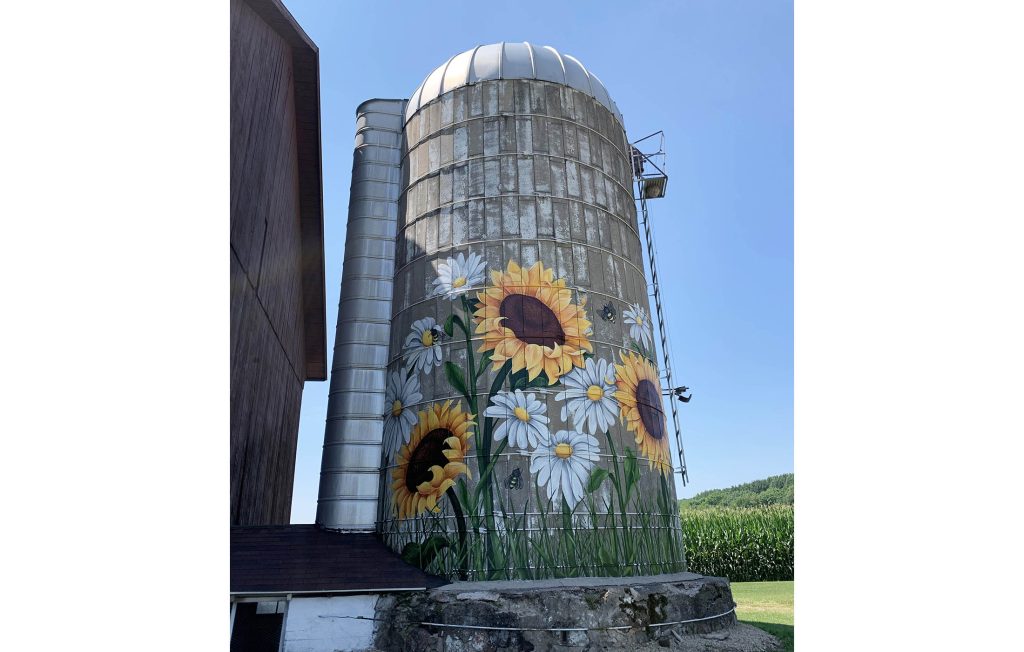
646, 182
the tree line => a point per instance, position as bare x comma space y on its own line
774, 490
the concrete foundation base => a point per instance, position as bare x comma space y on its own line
571, 614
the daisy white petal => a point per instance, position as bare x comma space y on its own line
524, 423
563, 468
458, 275
422, 350
640, 324
590, 396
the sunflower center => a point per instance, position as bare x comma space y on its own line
648, 403
427, 339
396, 408
531, 320
459, 282
595, 393
429, 452
563, 451
521, 414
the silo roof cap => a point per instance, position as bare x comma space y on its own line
510, 61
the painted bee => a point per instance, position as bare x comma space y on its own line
608, 312
515, 480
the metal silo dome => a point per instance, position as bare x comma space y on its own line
510, 61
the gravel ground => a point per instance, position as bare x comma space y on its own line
738, 638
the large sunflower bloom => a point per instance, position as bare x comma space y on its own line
529, 318
427, 466
639, 395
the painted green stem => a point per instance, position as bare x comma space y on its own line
485, 463
470, 359
460, 523
485, 475
617, 483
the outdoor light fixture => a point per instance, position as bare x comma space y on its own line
654, 187
678, 393
650, 176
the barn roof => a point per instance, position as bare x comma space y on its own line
304, 559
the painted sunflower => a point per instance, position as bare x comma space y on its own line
639, 395
427, 466
529, 318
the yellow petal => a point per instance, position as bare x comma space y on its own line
452, 469
533, 354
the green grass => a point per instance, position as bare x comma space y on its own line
767, 605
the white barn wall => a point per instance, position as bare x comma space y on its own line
327, 624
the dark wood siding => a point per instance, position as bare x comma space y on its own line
268, 297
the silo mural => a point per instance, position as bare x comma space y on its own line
524, 433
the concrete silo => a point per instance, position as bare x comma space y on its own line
496, 402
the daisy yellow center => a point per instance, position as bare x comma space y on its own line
521, 414
427, 339
459, 282
639, 320
396, 408
563, 451
595, 393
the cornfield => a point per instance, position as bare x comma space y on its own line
744, 544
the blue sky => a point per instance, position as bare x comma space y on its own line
717, 77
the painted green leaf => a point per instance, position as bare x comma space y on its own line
518, 379
470, 304
499, 380
540, 381
468, 501
422, 554
456, 378
632, 470
450, 324
411, 553
521, 380
566, 518
485, 359
597, 476
485, 474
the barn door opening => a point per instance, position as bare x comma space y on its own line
257, 626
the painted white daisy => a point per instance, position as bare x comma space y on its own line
524, 421
589, 396
458, 275
563, 464
639, 324
401, 393
422, 351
